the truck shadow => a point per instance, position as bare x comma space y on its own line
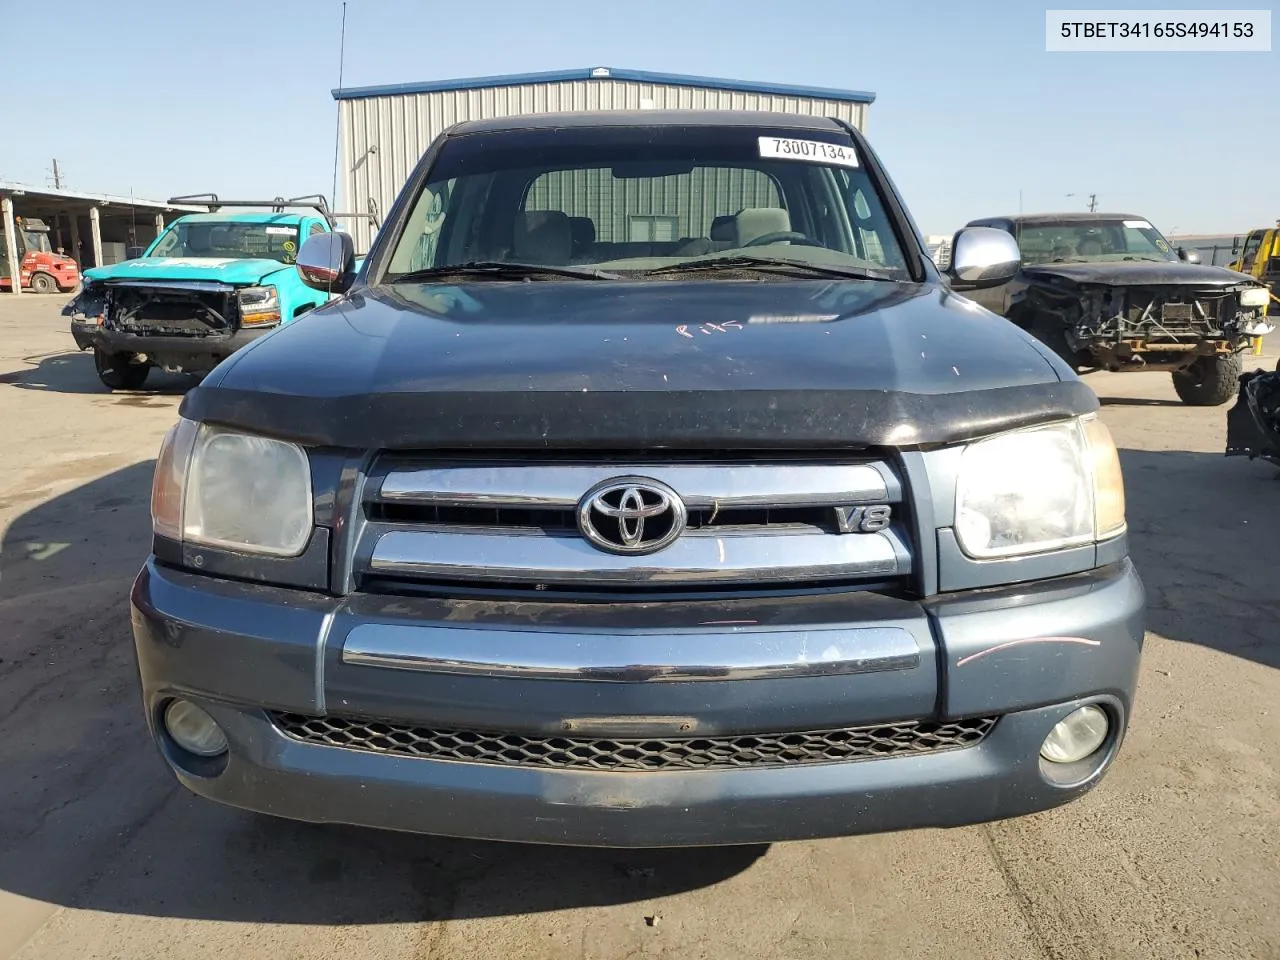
73, 372
1138, 402
90, 817
1204, 532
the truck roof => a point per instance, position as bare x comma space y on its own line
650, 118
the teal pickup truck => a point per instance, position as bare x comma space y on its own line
207, 286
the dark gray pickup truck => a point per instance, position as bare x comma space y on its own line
648, 486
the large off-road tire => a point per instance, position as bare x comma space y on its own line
117, 373
1210, 381
43, 283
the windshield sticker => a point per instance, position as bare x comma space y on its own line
1162, 245
814, 151
288, 246
1137, 224
280, 231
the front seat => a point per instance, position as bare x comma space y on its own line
582, 231
756, 222
1090, 247
542, 236
721, 232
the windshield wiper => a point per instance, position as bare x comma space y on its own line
769, 264
500, 270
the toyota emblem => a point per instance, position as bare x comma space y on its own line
631, 515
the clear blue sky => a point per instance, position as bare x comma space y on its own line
163, 98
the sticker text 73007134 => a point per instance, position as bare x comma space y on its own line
815, 151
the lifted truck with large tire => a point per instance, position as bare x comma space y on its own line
1106, 291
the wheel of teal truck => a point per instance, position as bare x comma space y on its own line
43, 283
116, 372
1210, 381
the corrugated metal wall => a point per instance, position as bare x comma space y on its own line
384, 137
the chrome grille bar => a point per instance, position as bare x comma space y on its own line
699, 485
693, 559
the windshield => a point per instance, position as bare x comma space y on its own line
631, 200
37, 240
1091, 241
235, 241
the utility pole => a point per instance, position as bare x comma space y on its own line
57, 175
1093, 203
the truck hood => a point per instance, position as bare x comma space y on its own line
641, 365
238, 272
1139, 273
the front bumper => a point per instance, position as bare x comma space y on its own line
186, 352
1029, 656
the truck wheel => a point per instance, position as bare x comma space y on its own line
1210, 381
117, 373
43, 283
1051, 333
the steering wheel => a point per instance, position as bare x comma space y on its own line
778, 236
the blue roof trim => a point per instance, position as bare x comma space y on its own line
605, 73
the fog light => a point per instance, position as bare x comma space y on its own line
194, 730
1076, 736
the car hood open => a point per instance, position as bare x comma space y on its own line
237, 272
641, 365
1139, 273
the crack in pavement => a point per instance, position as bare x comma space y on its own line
1021, 899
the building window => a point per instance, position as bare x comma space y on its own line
652, 228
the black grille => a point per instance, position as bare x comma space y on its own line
589, 753
566, 521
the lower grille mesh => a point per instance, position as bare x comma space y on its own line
693, 753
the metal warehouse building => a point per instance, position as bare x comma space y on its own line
385, 130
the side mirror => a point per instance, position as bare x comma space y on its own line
1235, 245
327, 262
983, 257
1188, 256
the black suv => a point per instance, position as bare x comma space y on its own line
1108, 291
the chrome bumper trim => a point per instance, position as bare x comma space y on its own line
693, 559
733, 654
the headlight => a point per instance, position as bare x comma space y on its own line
1044, 488
233, 490
1255, 297
258, 306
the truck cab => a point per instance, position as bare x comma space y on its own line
42, 270
1260, 257
210, 284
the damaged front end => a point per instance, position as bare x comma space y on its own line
1253, 424
1125, 327
179, 326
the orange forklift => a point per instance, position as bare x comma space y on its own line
40, 268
